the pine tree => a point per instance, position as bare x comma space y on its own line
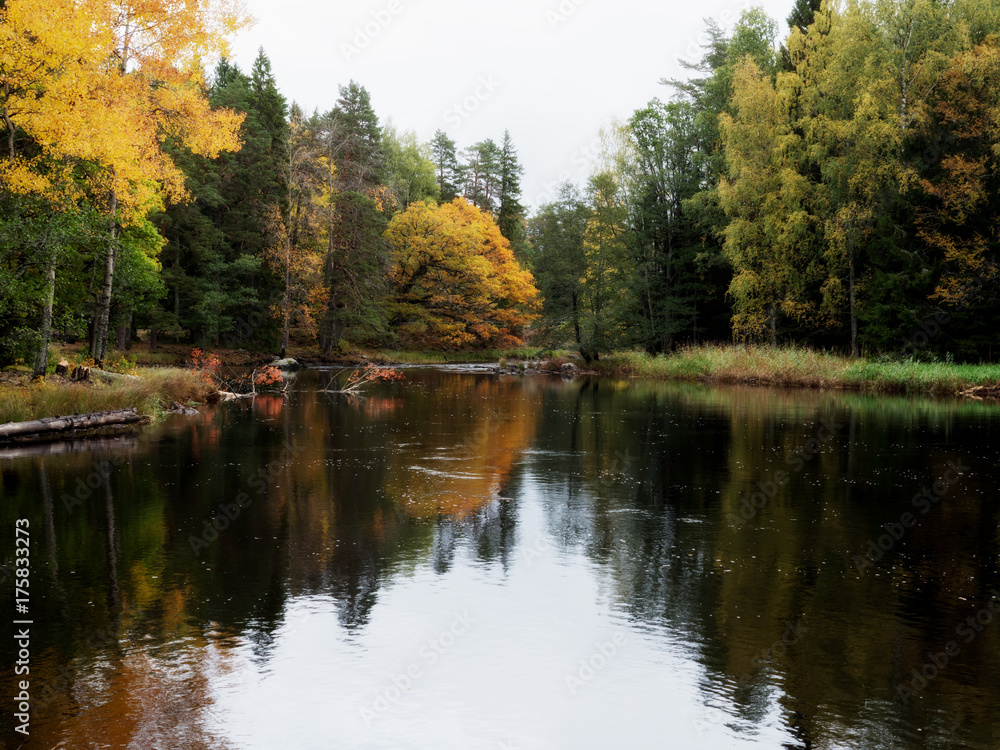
449, 173
482, 175
358, 140
510, 212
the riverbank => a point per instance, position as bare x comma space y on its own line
805, 368
150, 393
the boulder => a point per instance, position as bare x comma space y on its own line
176, 408
285, 364
568, 367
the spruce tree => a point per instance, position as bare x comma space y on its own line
449, 173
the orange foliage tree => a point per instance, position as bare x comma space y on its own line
454, 279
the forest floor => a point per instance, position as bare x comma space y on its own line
799, 367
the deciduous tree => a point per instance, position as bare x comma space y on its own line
455, 281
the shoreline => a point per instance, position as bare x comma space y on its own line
150, 394
160, 384
807, 369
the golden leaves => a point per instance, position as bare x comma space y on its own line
455, 279
106, 83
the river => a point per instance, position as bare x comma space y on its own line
462, 560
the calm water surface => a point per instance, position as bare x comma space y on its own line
465, 561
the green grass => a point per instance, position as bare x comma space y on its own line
154, 389
800, 367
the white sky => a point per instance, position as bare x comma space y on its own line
552, 71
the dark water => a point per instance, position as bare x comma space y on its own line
461, 561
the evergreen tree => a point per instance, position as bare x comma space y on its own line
355, 271
216, 244
357, 140
510, 212
447, 169
482, 175
557, 234
666, 289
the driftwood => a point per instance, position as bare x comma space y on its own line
110, 377
230, 396
981, 392
70, 423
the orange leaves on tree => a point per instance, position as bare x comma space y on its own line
207, 365
455, 281
268, 376
371, 373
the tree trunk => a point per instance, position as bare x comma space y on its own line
152, 338
42, 357
11, 130
67, 424
774, 324
576, 320
853, 299
102, 313
285, 303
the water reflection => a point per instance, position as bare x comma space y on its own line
719, 534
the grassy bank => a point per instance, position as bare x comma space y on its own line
155, 388
797, 367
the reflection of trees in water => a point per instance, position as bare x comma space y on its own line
666, 533
643, 479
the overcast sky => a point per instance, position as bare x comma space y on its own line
551, 71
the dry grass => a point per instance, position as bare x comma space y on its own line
800, 367
154, 389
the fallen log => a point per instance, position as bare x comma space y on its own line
230, 396
110, 377
980, 392
70, 423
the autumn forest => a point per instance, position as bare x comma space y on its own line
831, 181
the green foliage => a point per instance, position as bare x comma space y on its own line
446, 166
355, 272
213, 261
557, 257
410, 172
